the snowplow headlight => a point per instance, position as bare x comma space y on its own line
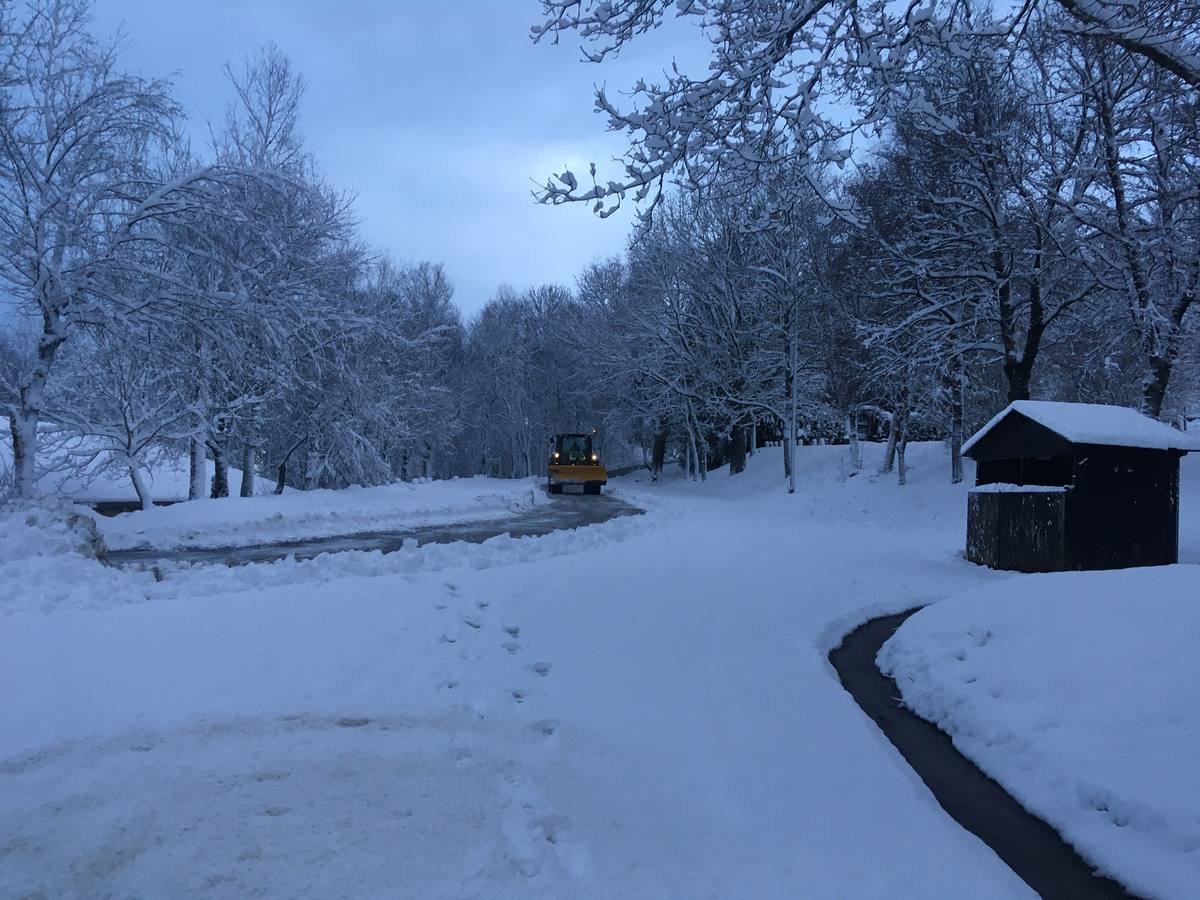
556, 454
595, 457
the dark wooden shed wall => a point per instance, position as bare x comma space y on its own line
1020, 532
1124, 508
1121, 509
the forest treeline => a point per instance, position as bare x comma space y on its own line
858, 221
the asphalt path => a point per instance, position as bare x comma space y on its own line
1030, 847
560, 512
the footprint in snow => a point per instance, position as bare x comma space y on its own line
518, 695
473, 623
512, 630
481, 605
511, 646
541, 668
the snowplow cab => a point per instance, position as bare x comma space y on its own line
575, 459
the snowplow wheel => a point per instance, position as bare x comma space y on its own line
556, 488
592, 488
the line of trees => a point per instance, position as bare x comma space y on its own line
1021, 217
862, 219
217, 303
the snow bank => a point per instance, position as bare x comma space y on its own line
60, 580
1001, 487
52, 558
300, 515
1080, 693
200, 579
48, 529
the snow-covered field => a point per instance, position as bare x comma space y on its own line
1080, 693
639, 708
298, 515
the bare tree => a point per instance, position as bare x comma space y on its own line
76, 190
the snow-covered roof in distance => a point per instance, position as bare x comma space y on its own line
1095, 423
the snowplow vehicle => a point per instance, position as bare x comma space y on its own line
574, 459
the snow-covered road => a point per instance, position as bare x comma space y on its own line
558, 513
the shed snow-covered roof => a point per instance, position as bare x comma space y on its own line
1095, 423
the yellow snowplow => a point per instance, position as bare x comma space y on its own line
574, 459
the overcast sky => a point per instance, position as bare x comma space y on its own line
435, 115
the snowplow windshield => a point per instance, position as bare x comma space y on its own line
575, 446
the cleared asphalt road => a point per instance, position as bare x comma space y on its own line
562, 511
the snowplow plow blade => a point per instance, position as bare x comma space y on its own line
578, 475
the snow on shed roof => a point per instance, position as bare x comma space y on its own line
1095, 423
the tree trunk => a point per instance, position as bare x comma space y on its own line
1154, 388
693, 454
312, 468
956, 423
220, 479
737, 450
23, 424
196, 469
1163, 358
137, 476
1019, 378
889, 456
658, 454
23, 428
789, 464
282, 469
897, 427
248, 470
852, 436
901, 466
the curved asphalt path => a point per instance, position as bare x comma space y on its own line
562, 511
1030, 847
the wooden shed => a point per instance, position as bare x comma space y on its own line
1062, 486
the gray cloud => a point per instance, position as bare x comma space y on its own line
436, 115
